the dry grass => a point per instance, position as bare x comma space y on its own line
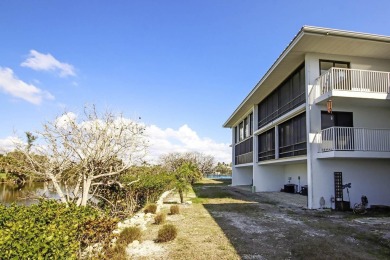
160, 218
166, 233
174, 210
199, 236
226, 223
150, 208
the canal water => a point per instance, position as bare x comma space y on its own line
10, 193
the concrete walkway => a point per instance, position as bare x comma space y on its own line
281, 198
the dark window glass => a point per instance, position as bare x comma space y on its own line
292, 137
287, 96
251, 124
336, 119
244, 152
325, 65
267, 145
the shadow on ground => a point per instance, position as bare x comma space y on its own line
261, 228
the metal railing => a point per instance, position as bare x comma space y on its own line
354, 80
353, 139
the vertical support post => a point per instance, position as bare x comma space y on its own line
276, 142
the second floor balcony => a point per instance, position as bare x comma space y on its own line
353, 83
243, 152
354, 142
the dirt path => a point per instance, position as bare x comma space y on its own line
261, 228
228, 223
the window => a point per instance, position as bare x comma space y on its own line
287, 96
243, 152
292, 137
267, 145
247, 127
344, 119
244, 129
241, 131
325, 65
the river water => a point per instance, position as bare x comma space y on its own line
23, 195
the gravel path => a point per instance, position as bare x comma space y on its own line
278, 226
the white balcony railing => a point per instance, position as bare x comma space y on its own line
354, 80
353, 139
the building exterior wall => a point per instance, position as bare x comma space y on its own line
367, 176
268, 177
242, 175
366, 172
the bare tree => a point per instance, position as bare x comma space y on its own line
77, 155
203, 162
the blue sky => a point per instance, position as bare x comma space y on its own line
182, 66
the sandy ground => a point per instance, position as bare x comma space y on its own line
228, 223
266, 227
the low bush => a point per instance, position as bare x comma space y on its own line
168, 232
175, 209
150, 208
141, 184
50, 230
128, 235
160, 218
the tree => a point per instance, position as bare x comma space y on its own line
204, 163
79, 154
223, 168
184, 174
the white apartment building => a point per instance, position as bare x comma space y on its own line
319, 118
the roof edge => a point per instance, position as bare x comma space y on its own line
285, 51
307, 30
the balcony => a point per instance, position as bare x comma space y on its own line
354, 142
340, 82
244, 158
244, 151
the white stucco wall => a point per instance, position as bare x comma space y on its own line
268, 177
294, 171
369, 177
242, 175
273, 177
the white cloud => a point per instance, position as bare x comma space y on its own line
184, 139
10, 84
46, 62
8, 144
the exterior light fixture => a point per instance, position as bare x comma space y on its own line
329, 106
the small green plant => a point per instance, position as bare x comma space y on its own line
160, 218
128, 235
168, 232
175, 209
150, 208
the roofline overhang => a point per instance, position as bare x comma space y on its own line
305, 30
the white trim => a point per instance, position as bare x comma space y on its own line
301, 158
243, 165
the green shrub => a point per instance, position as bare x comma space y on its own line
50, 230
175, 209
151, 208
168, 232
128, 235
160, 218
141, 184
